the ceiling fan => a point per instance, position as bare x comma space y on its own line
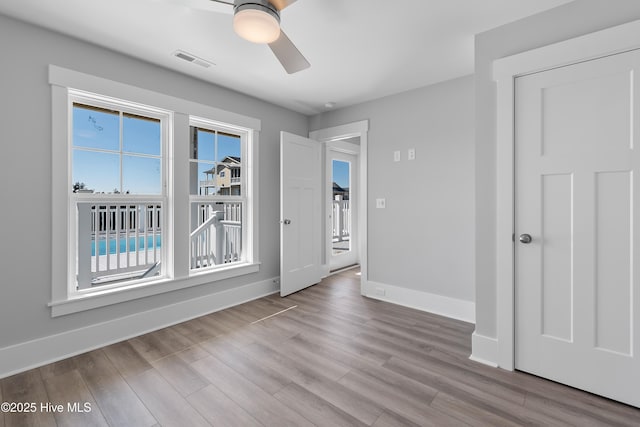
258, 21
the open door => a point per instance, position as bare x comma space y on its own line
300, 213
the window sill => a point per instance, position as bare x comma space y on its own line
78, 303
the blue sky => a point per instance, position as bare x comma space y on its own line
341, 173
141, 150
227, 146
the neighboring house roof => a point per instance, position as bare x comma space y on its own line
229, 161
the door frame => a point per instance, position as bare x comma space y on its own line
356, 129
596, 45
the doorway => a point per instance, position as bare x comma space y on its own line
351, 132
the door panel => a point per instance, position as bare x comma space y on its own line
300, 210
557, 283
576, 195
613, 284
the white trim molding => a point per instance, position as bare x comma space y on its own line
66, 78
337, 133
31, 354
599, 44
424, 301
485, 350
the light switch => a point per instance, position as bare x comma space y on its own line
381, 203
411, 154
396, 156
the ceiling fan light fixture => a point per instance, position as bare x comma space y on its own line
256, 23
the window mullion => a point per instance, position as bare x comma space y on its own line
121, 136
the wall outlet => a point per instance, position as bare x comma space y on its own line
396, 156
411, 154
381, 203
379, 291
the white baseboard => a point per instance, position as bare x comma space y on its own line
424, 301
484, 350
31, 354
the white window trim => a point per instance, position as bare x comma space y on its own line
65, 302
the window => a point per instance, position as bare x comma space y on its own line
150, 193
217, 198
117, 191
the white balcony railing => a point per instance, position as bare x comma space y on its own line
217, 239
341, 220
118, 241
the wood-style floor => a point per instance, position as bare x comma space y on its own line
333, 359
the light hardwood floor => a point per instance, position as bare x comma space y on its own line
333, 359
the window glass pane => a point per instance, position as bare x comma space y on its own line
341, 178
228, 146
202, 144
96, 172
229, 152
95, 128
228, 179
218, 240
140, 135
203, 179
141, 175
340, 174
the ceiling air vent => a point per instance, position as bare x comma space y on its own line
192, 58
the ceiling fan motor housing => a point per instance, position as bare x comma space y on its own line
261, 5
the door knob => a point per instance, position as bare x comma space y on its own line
525, 238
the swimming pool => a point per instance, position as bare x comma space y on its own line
121, 244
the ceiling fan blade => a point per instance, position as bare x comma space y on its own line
288, 54
281, 4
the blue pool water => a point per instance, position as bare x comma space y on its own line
122, 244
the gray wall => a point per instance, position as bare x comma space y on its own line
423, 240
25, 172
565, 22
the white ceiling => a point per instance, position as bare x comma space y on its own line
359, 49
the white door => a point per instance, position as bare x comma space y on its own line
577, 192
300, 213
342, 194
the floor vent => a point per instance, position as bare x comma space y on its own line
192, 58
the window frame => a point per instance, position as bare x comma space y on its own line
63, 300
245, 197
123, 107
